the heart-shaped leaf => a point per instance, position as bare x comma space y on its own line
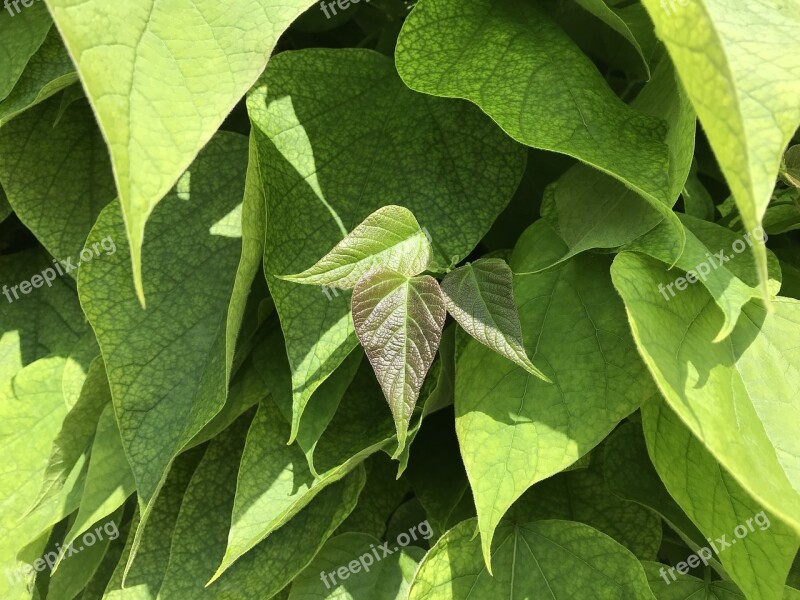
399, 321
390, 238
480, 297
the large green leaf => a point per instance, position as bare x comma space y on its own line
399, 321
48, 71
169, 366
273, 485
740, 64
389, 238
201, 531
561, 560
58, 178
521, 68
581, 495
761, 548
365, 577
443, 160
480, 297
738, 397
22, 31
515, 429
178, 69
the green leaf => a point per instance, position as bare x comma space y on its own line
589, 209
581, 495
75, 572
178, 71
687, 587
444, 161
713, 254
109, 481
382, 494
58, 179
437, 474
630, 475
48, 71
273, 485
201, 531
761, 547
5, 207
480, 297
21, 33
521, 68
553, 559
399, 322
515, 429
77, 431
307, 427
387, 579
169, 366
390, 238
145, 575
620, 20
740, 64
738, 396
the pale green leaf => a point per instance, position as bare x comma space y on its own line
480, 298
75, 571
515, 429
390, 238
109, 481
761, 547
740, 64
399, 322
739, 396
444, 161
561, 560
77, 431
715, 257
178, 69
387, 579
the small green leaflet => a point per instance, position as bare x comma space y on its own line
390, 238
480, 297
399, 321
